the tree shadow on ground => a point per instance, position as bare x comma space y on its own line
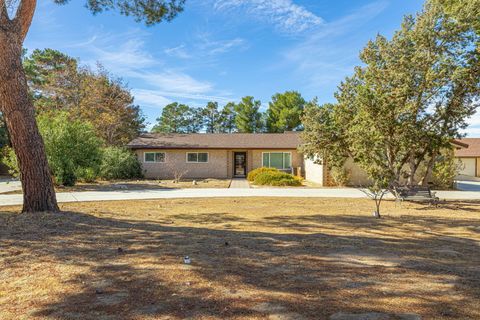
133, 269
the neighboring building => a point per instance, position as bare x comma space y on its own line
469, 157
220, 156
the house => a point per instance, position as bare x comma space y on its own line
218, 155
229, 155
469, 157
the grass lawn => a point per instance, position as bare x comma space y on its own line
252, 258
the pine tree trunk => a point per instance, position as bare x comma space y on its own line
17, 107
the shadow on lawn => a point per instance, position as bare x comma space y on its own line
258, 273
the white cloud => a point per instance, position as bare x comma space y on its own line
284, 14
131, 59
473, 129
175, 81
178, 52
207, 46
326, 56
150, 98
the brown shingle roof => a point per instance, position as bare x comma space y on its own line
473, 149
289, 140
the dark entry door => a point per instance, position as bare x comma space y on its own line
240, 164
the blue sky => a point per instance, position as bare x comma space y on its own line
224, 49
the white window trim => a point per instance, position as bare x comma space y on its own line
187, 153
283, 159
154, 152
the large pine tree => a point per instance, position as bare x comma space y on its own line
15, 102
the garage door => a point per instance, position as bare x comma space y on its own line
469, 166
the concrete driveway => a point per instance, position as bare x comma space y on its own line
7, 185
465, 185
16, 199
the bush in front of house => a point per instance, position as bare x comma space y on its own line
119, 163
254, 173
73, 150
276, 178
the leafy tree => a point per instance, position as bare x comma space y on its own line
211, 117
227, 118
174, 119
58, 83
15, 102
285, 111
464, 11
248, 118
109, 106
119, 163
411, 97
73, 150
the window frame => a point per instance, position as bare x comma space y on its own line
283, 159
197, 153
154, 157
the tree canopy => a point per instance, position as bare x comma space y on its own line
248, 119
57, 82
285, 111
411, 97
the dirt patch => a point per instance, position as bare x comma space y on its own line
251, 258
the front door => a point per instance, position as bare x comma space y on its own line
240, 164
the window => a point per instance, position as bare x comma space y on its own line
197, 157
279, 160
154, 157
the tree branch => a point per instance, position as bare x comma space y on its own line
24, 16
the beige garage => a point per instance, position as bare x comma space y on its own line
469, 157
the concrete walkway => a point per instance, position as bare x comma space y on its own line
239, 183
16, 199
8, 185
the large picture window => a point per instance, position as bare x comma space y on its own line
154, 157
197, 157
279, 160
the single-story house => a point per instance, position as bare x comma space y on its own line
469, 157
229, 155
217, 155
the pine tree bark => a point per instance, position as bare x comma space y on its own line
17, 108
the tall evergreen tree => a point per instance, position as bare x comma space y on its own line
56, 82
196, 120
211, 117
227, 118
15, 102
248, 118
285, 111
174, 119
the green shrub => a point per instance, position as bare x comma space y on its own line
276, 178
253, 174
9, 159
73, 149
445, 169
119, 163
340, 176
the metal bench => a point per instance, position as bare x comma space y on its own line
416, 194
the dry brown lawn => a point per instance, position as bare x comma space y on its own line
252, 258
